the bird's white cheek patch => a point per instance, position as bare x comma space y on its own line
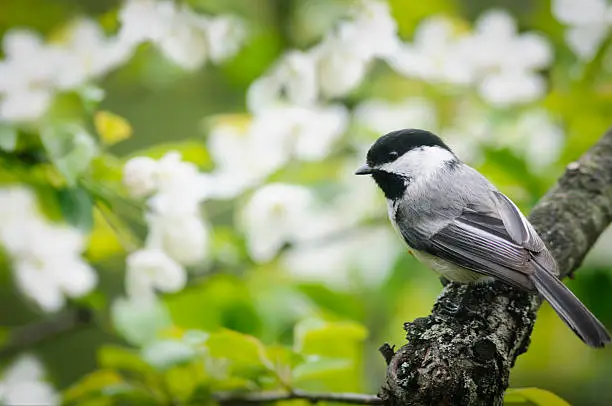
419, 162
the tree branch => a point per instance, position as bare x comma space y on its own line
52, 328
462, 353
232, 398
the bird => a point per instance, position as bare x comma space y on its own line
460, 225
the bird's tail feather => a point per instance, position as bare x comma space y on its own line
570, 309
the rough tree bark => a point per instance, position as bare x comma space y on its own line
462, 354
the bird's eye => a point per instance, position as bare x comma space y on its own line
393, 154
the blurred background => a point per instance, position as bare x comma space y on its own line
179, 213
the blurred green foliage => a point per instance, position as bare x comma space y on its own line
240, 325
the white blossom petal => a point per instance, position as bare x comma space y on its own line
184, 238
149, 269
22, 384
139, 176
497, 24
340, 263
225, 36
339, 69
533, 51
275, 216
25, 106
508, 88
74, 276
586, 40
185, 41
38, 284
293, 79
580, 12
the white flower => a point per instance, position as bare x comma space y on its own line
340, 68
589, 22
535, 136
342, 261
506, 88
173, 173
152, 269
25, 106
373, 30
89, 54
241, 160
246, 153
184, 36
18, 206
46, 281
495, 45
225, 35
307, 133
48, 265
178, 185
184, 238
46, 257
436, 54
500, 61
33, 71
185, 41
22, 384
143, 20
506, 60
139, 176
317, 129
276, 214
292, 79
382, 117
28, 76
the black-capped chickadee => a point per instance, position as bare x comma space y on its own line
457, 223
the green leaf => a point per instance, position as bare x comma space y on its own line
94, 382
314, 336
318, 368
165, 354
70, 148
181, 381
532, 396
238, 347
191, 151
111, 127
77, 208
8, 137
123, 359
139, 322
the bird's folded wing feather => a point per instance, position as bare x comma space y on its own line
494, 240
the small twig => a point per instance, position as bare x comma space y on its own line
387, 352
38, 332
229, 398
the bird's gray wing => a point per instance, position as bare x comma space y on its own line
492, 238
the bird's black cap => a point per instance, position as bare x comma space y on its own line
396, 143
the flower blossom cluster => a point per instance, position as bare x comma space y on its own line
33, 70
588, 23
46, 256
319, 242
501, 63
177, 233
22, 384
246, 154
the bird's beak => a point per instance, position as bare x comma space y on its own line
364, 170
